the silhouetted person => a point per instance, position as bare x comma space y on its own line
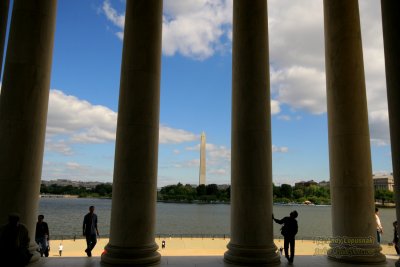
379, 228
42, 236
90, 230
396, 238
163, 244
14, 243
289, 231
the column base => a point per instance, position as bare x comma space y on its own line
357, 254
252, 255
130, 256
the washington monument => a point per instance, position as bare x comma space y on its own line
202, 174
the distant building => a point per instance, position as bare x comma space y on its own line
324, 184
383, 181
305, 183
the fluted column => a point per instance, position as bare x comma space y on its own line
391, 38
136, 154
352, 190
4, 6
251, 241
23, 108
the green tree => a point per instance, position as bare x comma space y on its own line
286, 191
212, 189
298, 193
276, 191
384, 195
201, 190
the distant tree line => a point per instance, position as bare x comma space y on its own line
315, 194
284, 193
188, 193
100, 190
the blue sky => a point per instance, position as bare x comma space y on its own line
196, 90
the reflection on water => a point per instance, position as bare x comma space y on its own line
65, 218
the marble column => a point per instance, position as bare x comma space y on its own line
133, 211
4, 6
23, 109
352, 190
391, 37
251, 241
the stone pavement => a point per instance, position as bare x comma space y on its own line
200, 261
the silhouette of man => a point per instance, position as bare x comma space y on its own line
14, 243
90, 230
42, 236
289, 231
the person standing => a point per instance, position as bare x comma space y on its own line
90, 230
289, 231
379, 228
14, 243
42, 236
396, 238
60, 249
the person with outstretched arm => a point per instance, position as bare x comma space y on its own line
289, 231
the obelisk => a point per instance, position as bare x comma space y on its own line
202, 174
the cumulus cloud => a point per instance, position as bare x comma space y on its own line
378, 121
170, 135
58, 146
79, 119
297, 59
75, 171
195, 29
301, 88
72, 120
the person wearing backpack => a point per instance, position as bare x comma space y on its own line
289, 231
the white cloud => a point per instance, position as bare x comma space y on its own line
170, 135
72, 120
297, 58
75, 171
379, 127
81, 121
281, 149
58, 146
195, 29
275, 107
114, 17
301, 88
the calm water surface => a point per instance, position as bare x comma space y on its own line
65, 217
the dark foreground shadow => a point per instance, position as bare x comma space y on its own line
200, 261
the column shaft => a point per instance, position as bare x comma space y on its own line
4, 6
251, 199
352, 190
135, 169
391, 37
23, 108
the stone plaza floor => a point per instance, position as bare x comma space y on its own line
200, 261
